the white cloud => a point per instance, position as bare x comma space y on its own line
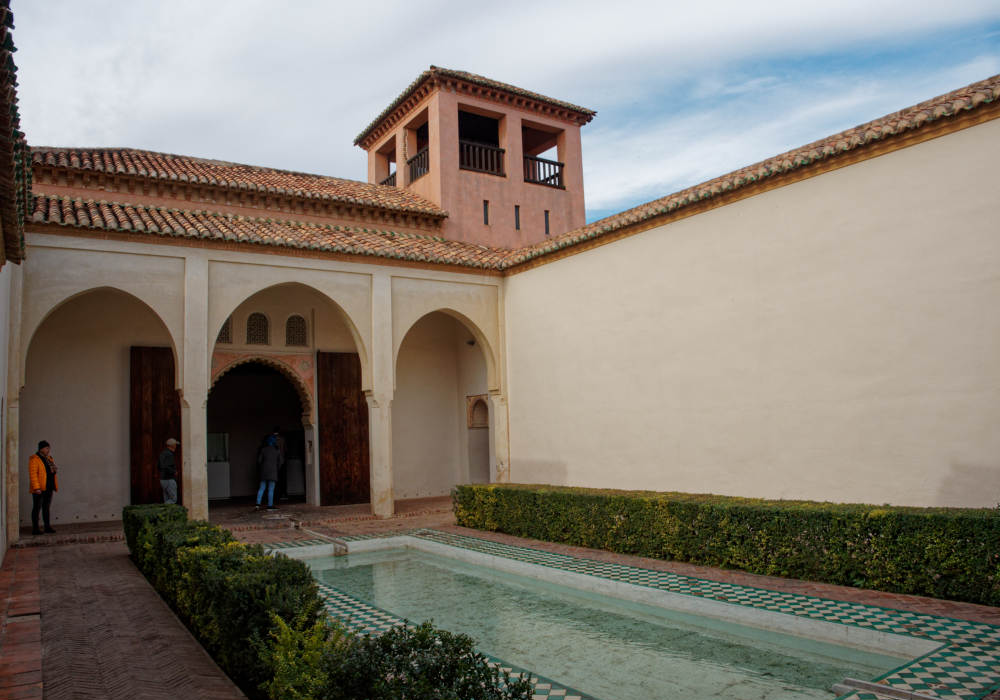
684, 91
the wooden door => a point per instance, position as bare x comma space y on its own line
155, 416
343, 430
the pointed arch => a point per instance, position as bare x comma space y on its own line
477, 333
287, 371
218, 318
31, 326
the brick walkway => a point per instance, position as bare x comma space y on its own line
107, 634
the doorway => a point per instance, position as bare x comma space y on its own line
248, 403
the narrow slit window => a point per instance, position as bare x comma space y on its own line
517, 217
258, 329
295, 331
546, 222
226, 332
486, 212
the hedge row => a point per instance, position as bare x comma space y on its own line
230, 595
948, 553
260, 618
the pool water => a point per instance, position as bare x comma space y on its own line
607, 648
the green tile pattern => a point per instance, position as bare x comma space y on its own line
966, 666
272, 546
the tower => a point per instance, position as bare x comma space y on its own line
505, 163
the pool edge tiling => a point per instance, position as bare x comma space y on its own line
965, 665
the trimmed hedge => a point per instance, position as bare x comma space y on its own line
135, 517
227, 593
950, 553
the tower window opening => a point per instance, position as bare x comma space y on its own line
517, 217
546, 222
486, 212
479, 144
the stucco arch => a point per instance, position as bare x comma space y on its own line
475, 305
224, 300
481, 340
30, 326
305, 396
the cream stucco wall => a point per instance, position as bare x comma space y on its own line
76, 396
436, 370
835, 339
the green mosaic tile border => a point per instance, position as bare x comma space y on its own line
367, 619
966, 666
271, 546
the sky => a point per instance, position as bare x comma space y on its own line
684, 92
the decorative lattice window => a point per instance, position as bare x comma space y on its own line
226, 332
258, 330
295, 331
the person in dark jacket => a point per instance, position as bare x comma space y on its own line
167, 464
268, 461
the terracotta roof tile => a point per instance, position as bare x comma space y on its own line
920, 115
213, 226
165, 166
435, 72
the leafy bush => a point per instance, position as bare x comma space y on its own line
227, 593
158, 546
230, 594
417, 663
951, 553
135, 517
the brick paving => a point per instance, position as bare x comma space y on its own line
98, 630
20, 628
106, 634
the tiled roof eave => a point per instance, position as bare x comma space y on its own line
54, 213
183, 174
436, 74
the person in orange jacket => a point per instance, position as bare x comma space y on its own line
44, 482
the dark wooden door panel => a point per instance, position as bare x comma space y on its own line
154, 416
343, 430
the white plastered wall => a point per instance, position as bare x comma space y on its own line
835, 339
436, 369
76, 396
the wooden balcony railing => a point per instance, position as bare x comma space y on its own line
543, 172
391, 181
480, 158
419, 164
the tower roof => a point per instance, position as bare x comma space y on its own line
486, 87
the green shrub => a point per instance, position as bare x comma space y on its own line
229, 596
135, 517
417, 663
158, 550
951, 553
295, 657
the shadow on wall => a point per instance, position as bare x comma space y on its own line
970, 483
539, 471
